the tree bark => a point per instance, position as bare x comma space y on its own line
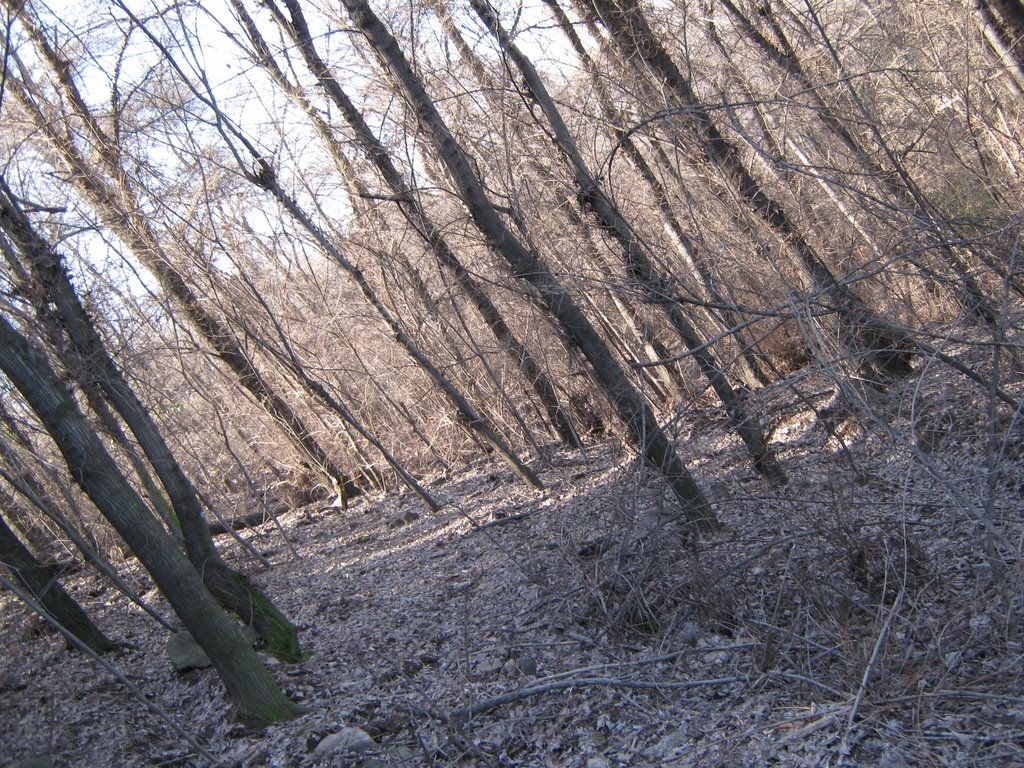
642, 427
1002, 23
410, 206
866, 333
249, 685
44, 587
116, 202
656, 287
52, 288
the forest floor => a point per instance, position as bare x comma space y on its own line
851, 617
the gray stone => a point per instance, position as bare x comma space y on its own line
35, 762
185, 653
348, 739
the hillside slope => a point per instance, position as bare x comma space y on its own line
851, 617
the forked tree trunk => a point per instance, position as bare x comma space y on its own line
642, 428
249, 685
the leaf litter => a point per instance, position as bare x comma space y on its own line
859, 615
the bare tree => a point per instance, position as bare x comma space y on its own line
404, 197
884, 345
639, 261
108, 188
51, 287
44, 587
1002, 22
642, 428
249, 684
720, 309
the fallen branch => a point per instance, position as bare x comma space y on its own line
588, 682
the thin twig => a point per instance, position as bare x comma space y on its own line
869, 668
643, 662
809, 681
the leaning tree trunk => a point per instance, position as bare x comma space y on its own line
866, 333
654, 286
408, 203
723, 315
108, 189
52, 288
642, 428
44, 587
263, 174
249, 685
1002, 23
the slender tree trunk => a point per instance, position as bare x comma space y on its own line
1002, 23
262, 174
891, 174
41, 584
52, 287
903, 187
318, 389
108, 190
399, 407
249, 684
492, 90
28, 489
641, 425
266, 178
721, 316
639, 262
408, 203
877, 339
41, 541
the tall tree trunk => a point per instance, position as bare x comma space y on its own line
865, 331
1002, 23
52, 287
251, 688
44, 587
266, 178
639, 262
263, 174
641, 425
109, 191
722, 315
408, 203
